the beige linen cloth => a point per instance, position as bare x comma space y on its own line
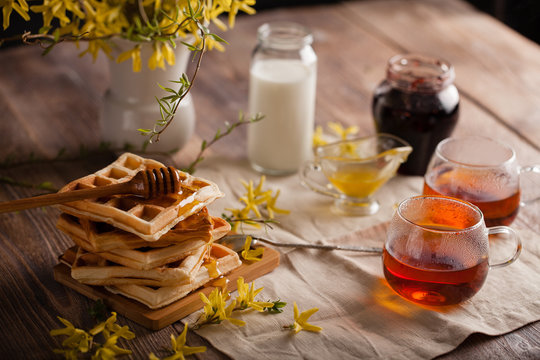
360, 315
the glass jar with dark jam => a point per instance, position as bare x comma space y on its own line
418, 102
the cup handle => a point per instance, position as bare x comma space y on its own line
525, 169
512, 234
307, 168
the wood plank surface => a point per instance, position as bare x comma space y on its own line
498, 69
51, 104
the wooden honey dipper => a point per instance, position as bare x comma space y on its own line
146, 183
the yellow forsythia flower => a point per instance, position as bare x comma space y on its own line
135, 55
254, 196
249, 254
237, 5
300, 320
348, 149
318, 137
110, 350
21, 7
271, 205
168, 53
156, 59
215, 309
239, 214
77, 340
179, 347
246, 297
109, 327
341, 132
97, 21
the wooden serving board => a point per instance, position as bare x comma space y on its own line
156, 319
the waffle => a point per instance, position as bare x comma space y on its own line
92, 269
226, 261
149, 219
99, 237
146, 258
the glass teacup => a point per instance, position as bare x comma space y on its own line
437, 250
480, 170
354, 170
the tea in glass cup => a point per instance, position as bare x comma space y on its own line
437, 250
480, 170
353, 170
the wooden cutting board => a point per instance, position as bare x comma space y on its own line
156, 319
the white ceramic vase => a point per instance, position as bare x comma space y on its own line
130, 102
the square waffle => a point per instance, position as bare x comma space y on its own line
226, 260
92, 269
149, 219
99, 237
148, 257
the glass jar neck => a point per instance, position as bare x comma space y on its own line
418, 73
284, 36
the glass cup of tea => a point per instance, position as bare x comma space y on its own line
437, 250
351, 171
480, 170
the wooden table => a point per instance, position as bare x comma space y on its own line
50, 105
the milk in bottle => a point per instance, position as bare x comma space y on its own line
282, 87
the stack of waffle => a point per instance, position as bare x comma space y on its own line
154, 251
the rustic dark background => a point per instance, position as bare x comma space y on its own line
521, 15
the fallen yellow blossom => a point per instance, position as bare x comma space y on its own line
300, 321
251, 254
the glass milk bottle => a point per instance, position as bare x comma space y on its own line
282, 85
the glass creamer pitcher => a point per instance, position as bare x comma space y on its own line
354, 170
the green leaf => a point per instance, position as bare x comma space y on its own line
171, 98
48, 49
44, 29
204, 29
167, 89
218, 39
277, 308
163, 104
190, 9
56, 35
129, 32
47, 185
190, 46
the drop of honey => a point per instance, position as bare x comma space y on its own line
211, 266
220, 282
